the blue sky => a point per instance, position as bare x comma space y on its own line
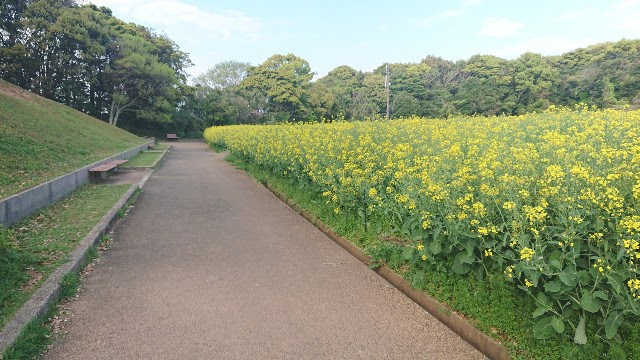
365, 34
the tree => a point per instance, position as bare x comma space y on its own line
320, 100
598, 72
223, 75
342, 82
84, 57
137, 79
486, 88
533, 81
283, 80
404, 104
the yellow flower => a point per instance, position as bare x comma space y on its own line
509, 205
528, 283
420, 247
518, 174
478, 209
424, 257
527, 253
509, 271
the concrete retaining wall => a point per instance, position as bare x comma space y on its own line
16, 207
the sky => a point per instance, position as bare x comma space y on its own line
366, 34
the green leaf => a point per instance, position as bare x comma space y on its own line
580, 337
542, 299
616, 283
568, 278
467, 258
599, 224
543, 328
552, 286
470, 234
406, 225
540, 311
436, 233
407, 254
558, 324
612, 323
435, 247
584, 277
589, 303
600, 294
459, 266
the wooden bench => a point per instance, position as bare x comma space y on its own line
103, 169
172, 137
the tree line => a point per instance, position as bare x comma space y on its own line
281, 88
84, 57
133, 77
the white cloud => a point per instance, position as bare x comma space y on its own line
548, 45
176, 13
500, 27
624, 16
620, 16
446, 14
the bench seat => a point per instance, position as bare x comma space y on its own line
107, 166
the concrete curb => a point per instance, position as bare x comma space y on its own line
18, 206
155, 164
485, 344
47, 294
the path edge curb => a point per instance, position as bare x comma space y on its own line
459, 325
47, 294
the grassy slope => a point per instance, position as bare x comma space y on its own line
42, 139
495, 307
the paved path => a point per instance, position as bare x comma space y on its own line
210, 265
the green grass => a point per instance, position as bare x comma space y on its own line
33, 248
494, 306
42, 139
161, 146
144, 159
37, 334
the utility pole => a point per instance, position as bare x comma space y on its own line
387, 85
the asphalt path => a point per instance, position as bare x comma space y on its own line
210, 265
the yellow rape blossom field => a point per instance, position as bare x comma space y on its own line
551, 201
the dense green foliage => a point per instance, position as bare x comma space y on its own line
604, 75
42, 139
84, 57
